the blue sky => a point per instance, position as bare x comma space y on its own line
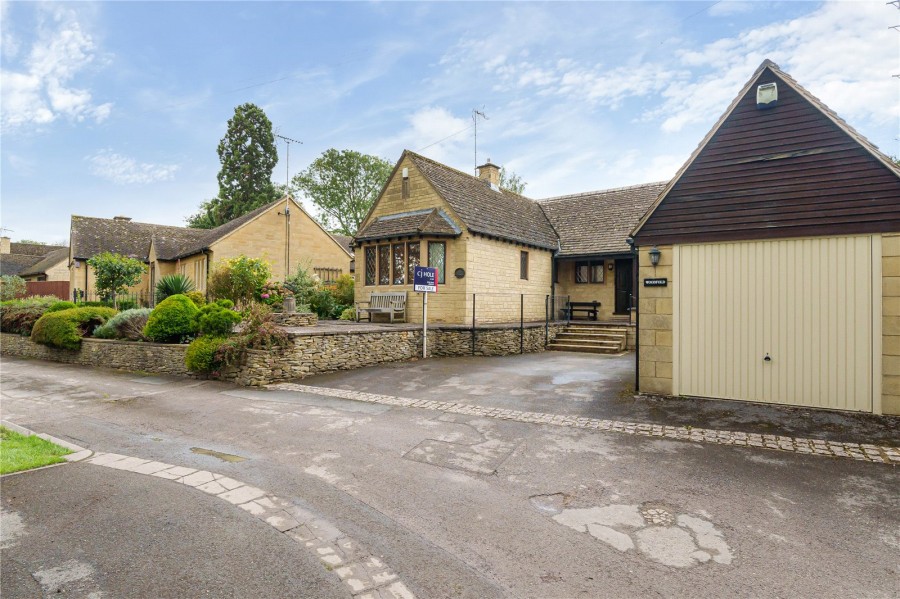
115, 108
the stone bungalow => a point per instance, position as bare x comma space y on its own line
285, 241
776, 256
510, 251
34, 261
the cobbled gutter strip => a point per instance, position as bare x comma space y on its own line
857, 451
364, 575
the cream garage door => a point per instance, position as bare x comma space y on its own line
805, 304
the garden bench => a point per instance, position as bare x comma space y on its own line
392, 303
590, 308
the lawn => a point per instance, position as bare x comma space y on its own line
20, 452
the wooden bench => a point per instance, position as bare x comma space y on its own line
590, 308
392, 303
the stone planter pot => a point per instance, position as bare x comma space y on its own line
289, 304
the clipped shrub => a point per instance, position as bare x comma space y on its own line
65, 329
197, 297
18, 316
348, 314
172, 321
61, 305
201, 354
125, 325
217, 319
176, 284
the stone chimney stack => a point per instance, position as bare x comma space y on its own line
4, 245
122, 218
491, 173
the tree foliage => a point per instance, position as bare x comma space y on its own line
237, 279
343, 185
511, 182
11, 286
248, 155
114, 273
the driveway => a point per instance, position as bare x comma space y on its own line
476, 506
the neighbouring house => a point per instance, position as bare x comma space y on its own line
52, 267
770, 264
484, 241
281, 232
30, 260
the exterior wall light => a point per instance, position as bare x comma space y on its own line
654, 255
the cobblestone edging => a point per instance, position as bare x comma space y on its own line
366, 576
857, 451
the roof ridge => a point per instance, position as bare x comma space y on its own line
465, 174
599, 191
134, 222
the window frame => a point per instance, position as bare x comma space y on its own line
403, 264
384, 269
366, 281
590, 265
523, 265
442, 274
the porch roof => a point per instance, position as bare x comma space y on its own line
420, 222
599, 222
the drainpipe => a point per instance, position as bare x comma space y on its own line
636, 306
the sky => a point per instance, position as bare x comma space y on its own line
116, 108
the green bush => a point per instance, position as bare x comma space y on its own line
97, 304
128, 324
304, 284
197, 297
217, 320
176, 284
61, 305
348, 314
343, 290
259, 331
126, 303
201, 354
18, 316
64, 329
172, 321
11, 286
238, 279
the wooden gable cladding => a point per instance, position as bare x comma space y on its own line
785, 171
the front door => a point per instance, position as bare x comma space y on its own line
624, 285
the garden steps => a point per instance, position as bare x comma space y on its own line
590, 338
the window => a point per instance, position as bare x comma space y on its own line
371, 262
384, 265
437, 258
412, 258
589, 271
404, 189
399, 252
523, 265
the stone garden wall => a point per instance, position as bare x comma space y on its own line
309, 352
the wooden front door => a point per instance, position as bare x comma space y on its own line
624, 286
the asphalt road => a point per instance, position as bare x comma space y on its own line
461, 506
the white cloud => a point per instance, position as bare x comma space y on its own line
39, 90
125, 170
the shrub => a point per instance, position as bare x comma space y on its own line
126, 303
304, 284
259, 331
200, 355
197, 297
348, 314
176, 284
273, 294
61, 305
64, 329
125, 325
217, 320
11, 286
172, 321
238, 279
115, 273
343, 290
95, 304
19, 316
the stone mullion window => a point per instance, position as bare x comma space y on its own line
413, 251
589, 271
371, 265
399, 252
384, 265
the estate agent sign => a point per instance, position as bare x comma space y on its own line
425, 280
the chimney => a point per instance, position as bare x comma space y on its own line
4, 245
122, 218
490, 173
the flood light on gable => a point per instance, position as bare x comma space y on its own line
767, 95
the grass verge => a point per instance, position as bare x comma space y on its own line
21, 452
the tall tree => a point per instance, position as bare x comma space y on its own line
343, 185
511, 181
248, 155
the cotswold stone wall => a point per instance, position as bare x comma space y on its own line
309, 353
123, 355
296, 319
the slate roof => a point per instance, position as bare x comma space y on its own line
33, 249
47, 262
598, 222
13, 264
421, 222
345, 241
501, 214
90, 236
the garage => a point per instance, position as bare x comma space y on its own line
767, 321
769, 267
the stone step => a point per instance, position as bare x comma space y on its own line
591, 336
598, 342
591, 349
596, 329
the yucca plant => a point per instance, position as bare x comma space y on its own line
173, 285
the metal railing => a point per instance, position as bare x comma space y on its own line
128, 299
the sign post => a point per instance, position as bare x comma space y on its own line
425, 279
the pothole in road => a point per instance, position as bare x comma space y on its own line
225, 457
